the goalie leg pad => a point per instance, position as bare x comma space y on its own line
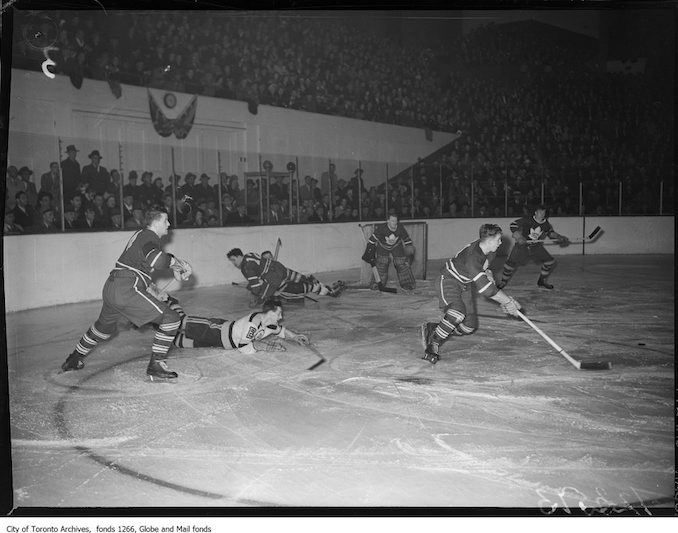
404, 271
383, 262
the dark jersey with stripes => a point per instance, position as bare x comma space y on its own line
258, 270
532, 230
470, 266
143, 254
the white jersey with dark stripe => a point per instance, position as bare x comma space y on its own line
241, 333
470, 266
388, 240
143, 254
534, 231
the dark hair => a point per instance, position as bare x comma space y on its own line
270, 304
488, 230
234, 252
152, 215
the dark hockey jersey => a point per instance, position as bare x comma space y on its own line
470, 266
143, 254
390, 241
532, 230
258, 270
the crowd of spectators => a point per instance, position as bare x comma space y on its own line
550, 122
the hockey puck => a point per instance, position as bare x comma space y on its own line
641, 344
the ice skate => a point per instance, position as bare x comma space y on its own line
431, 354
337, 288
541, 282
158, 371
501, 285
73, 362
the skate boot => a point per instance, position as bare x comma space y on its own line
501, 285
337, 288
431, 354
73, 362
541, 282
427, 329
158, 371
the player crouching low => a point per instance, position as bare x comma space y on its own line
466, 272
200, 332
267, 277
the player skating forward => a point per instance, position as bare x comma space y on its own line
459, 278
199, 332
529, 233
391, 239
126, 294
267, 277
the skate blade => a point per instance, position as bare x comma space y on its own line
156, 379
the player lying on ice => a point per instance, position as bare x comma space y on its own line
267, 277
200, 332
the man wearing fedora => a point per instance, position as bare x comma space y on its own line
96, 175
70, 171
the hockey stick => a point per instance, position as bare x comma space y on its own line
321, 359
375, 272
580, 365
593, 236
277, 249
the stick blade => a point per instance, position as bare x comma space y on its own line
595, 232
595, 365
384, 288
316, 365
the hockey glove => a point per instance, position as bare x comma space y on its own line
271, 346
300, 338
182, 269
511, 307
563, 241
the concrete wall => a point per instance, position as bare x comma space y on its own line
43, 270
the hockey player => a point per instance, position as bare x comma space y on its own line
128, 293
460, 277
267, 277
529, 233
199, 332
391, 239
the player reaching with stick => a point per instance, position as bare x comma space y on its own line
460, 277
529, 233
199, 332
129, 292
267, 277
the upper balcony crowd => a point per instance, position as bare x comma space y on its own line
538, 116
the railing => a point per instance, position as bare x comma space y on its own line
304, 189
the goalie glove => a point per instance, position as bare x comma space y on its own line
182, 269
511, 307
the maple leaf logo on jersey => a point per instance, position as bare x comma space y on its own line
391, 239
535, 233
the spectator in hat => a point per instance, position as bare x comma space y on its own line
31, 192
45, 202
204, 191
170, 189
146, 192
50, 182
132, 187
97, 176
328, 179
127, 206
23, 212
306, 190
69, 218
113, 188
70, 171
14, 185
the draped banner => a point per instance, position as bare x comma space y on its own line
164, 125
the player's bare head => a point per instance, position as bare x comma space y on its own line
156, 221
235, 256
488, 230
392, 220
490, 237
540, 212
273, 307
266, 254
